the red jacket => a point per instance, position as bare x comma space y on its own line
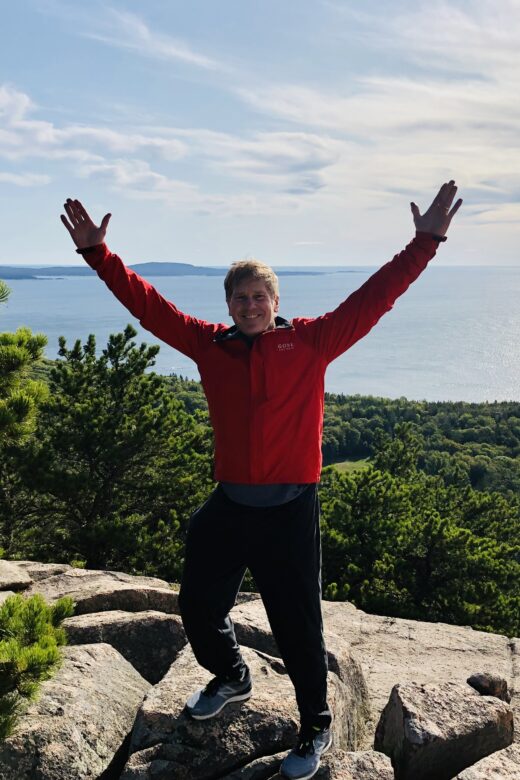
266, 401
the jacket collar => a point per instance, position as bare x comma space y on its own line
236, 333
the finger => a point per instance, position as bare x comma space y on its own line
415, 211
450, 193
455, 209
440, 195
67, 224
81, 211
105, 221
71, 212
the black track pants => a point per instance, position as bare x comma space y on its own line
281, 547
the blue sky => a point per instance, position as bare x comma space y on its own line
296, 132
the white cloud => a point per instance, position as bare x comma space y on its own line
137, 180
390, 105
134, 174
282, 165
288, 161
23, 136
126, 30
501, 214
113, 141
13, 104
25, 179
131, 32
480, 40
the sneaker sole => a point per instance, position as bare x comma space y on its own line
240, 697
306, 777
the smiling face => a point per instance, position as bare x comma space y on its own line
253, 307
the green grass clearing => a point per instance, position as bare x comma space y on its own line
351, 465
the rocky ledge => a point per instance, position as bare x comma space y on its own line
411, 700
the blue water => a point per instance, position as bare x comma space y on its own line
454, 335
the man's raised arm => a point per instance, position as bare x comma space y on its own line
154, 312
335, 332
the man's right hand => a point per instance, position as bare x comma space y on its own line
81, 228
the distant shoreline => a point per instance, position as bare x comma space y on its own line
167, 269
143, 269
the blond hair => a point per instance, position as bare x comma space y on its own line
250, 269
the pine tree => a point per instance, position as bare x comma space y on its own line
4, 292
19, 395
116, 466
30, 637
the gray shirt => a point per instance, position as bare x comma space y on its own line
262, 495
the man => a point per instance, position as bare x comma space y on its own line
264, 381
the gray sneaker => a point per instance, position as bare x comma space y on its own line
218, 692
304, 760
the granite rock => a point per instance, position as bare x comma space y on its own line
100, 591
335, 765
80, 720
434, 730
40, 571
395, 650
502, 765
149, 640
13, 577
490, 685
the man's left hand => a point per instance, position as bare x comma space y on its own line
438, 217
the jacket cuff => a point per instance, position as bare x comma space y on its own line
94, 255
435, 237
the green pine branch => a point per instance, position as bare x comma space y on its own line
30, 637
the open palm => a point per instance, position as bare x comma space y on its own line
82, 230
438, 217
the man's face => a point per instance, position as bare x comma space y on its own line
252, 307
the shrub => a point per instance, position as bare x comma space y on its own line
30, 636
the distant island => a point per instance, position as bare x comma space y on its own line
143, 269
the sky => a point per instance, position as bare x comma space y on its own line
295, 132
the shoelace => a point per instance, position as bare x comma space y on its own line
304, 747
212, 687
306, 739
